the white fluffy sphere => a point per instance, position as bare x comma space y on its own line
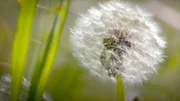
118, 38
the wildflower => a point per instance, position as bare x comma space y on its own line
5, 89
118, 38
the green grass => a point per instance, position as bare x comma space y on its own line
41, 73
20, 45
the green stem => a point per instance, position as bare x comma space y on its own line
39, 50
120, 90
20, 45
42, 72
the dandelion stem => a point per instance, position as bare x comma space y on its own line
120, 90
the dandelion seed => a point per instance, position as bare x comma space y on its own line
118, 38
5, 89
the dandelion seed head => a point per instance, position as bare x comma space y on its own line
118, 38
5, 89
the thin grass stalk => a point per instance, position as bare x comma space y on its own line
119, 88
43, 40
20, 45
41, 74
39, 68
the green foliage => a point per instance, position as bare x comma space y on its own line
43, 69
20, 45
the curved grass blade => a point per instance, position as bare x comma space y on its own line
120, 90
41, 74
20, 45
38, 51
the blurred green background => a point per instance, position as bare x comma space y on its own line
69, 81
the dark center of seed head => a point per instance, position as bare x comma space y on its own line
119, 38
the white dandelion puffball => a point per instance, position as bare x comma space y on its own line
118, 38
5, 89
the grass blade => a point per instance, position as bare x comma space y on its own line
37, 52
20, 45
120, 90
41, 74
